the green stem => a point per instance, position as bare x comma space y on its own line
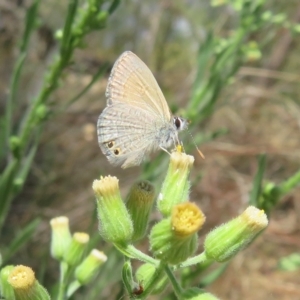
73, 287
176, 286
201, 258
31, 18
99, 74
65, 272
6, 187
52, 78
132, 252
49, 86
29, 26
257, 183
12, 95
66, 46
290, 183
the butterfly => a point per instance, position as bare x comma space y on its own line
137, 119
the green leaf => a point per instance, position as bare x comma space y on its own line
21, 239
113, 6
6, 184
213, 275
290, 262
20, 179
257, 183
67, 31
30, 23
101, 71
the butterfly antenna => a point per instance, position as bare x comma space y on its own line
200, 153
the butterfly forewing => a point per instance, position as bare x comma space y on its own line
132, 82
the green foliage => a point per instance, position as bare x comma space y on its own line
290, 262
20, 147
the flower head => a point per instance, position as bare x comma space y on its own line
115, 222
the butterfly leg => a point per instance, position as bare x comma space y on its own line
164, 150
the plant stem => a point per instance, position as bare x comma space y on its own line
290, 183
201, 258
65, 272
73, 287
6, 187
176, 286
132, 252
12, 95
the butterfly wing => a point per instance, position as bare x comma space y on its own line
126, 134
131, 82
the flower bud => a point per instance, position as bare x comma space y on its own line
144, 275
225, 241
176, 186
15, 146
76, 249
60, 236
6, 289
89, 268
25, 286
174, 239
115, 222
127, 277
139, 204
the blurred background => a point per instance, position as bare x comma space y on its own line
252, 107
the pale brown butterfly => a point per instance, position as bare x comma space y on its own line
137, 119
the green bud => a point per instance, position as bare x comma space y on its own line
127, 276
139, 204
279, 18
225, 241
174, 239
76, 249
102, 17
176, 186
267, 15
252, 51
25, 286
60, 237
144, 275
58, 34
41, 112
15, 144
115, 222
89, 268
296, 28
197, 294
18, 184
6, 289
270, 195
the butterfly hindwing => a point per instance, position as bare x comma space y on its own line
123, 136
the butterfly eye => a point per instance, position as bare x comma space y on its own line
177, 123
117, 151
110, 144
